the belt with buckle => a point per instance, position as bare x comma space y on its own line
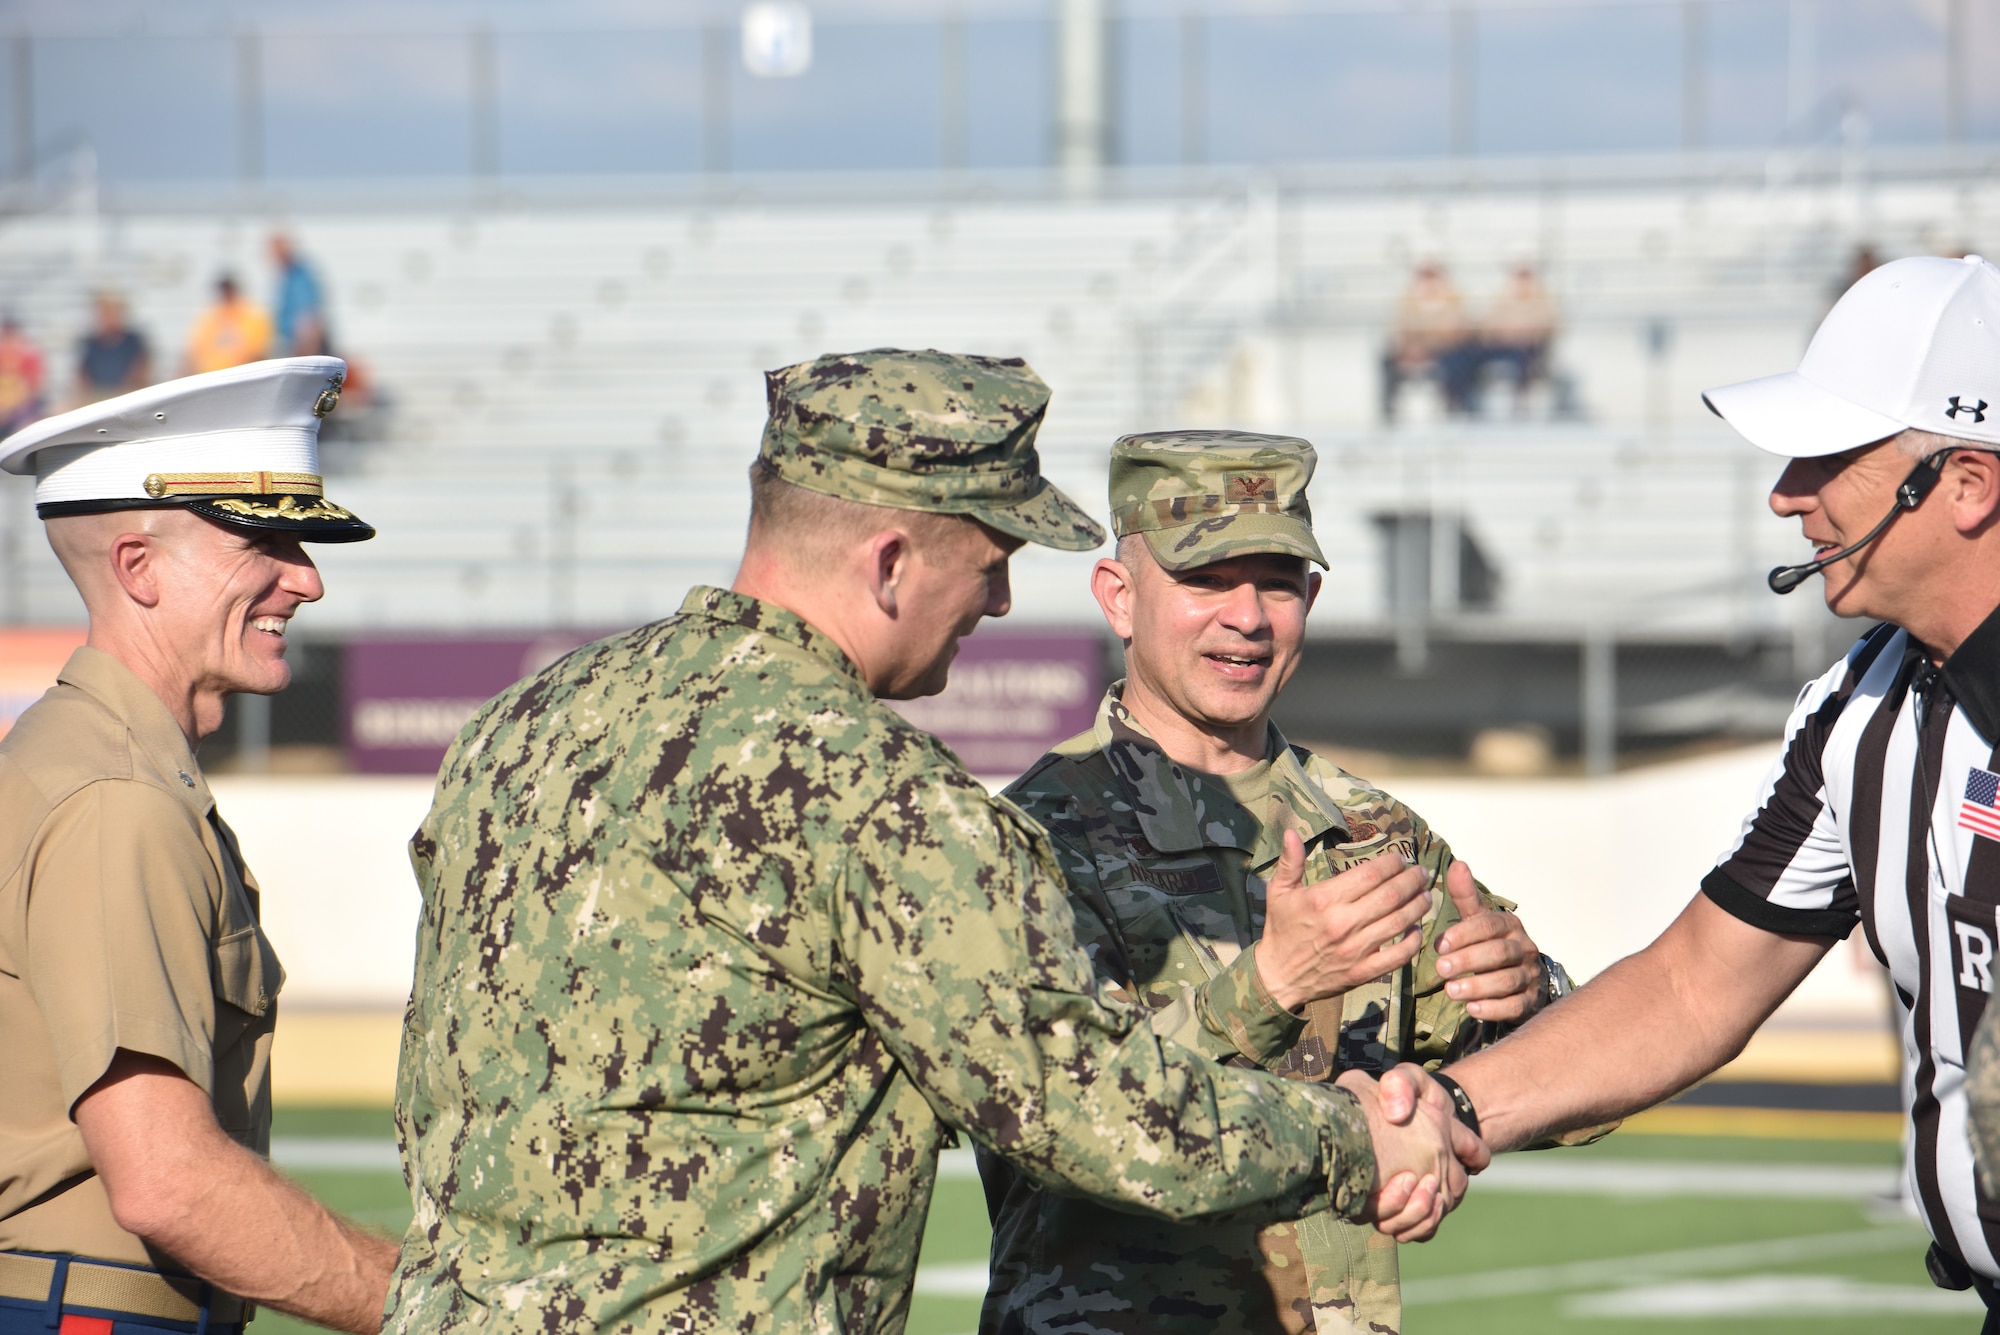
112, 1287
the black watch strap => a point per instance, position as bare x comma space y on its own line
1461, 1102
1556, 982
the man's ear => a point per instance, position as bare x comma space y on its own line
888, 558
1111, 583
135, 564
1313, 582
1975, 500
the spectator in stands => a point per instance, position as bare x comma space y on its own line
1518, 330
1431, 340
300, 322
24, 375
1864, 261
229, 333
113, 357
299, 328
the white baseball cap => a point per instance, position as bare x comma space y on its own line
1914, 343
239, 446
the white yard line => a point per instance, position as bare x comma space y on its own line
1626, 1270
959, 1279
336, 1154
1555, 1174
1536, 1173
1544, 1174
1788, 1296
967, 1279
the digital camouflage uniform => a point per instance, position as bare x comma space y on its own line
716, 951
1166, 869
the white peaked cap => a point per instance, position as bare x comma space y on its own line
239, 446
1914, 343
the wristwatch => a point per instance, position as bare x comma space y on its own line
1556, 982
1461, 1102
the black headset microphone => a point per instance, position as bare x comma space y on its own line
1909, 495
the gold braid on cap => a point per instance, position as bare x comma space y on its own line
159, 485
286, 508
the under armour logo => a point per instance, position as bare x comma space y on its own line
1978, 410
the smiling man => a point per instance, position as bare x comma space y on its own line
1881, 810
718, 950
138, 993
1187, 826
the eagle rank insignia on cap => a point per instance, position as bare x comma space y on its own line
239, 446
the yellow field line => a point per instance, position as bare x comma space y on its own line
1767, 1123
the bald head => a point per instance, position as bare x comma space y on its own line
83, 543
196, 609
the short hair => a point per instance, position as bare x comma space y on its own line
1921, 445
813, 526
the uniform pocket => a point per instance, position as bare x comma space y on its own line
246, 971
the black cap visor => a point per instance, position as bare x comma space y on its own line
311, 518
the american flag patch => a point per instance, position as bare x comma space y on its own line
1978, 812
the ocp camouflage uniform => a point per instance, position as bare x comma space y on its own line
1166, 871
1166, 868
717, 950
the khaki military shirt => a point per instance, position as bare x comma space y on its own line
1166, 868
127, 920
716, 952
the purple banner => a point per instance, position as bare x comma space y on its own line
407, 698
1012, 696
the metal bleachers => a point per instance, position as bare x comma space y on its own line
570, 383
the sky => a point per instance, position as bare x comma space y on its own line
616, 86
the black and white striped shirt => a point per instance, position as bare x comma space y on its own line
1874, 815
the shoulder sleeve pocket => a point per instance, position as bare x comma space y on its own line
246, 970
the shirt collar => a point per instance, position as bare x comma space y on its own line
1973, 674
108, 681
1183, 810
769, 619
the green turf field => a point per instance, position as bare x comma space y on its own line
1640, 1233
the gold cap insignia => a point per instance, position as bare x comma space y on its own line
329, 398
156, 486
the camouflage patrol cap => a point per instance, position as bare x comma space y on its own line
937, 431
1203, 496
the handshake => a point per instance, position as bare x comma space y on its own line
1324, 938
1424, 1156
